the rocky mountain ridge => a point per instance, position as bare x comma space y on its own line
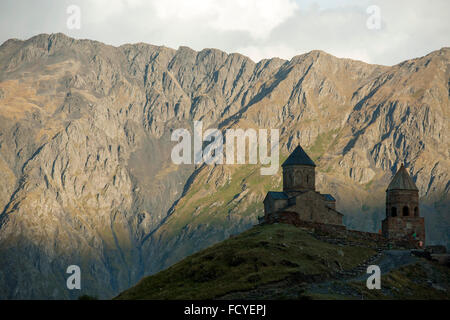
85, 151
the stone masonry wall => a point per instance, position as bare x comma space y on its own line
399, 199
340, 233
404, 227
299, 177
311, 207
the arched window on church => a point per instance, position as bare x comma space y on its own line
393, 212
416, 212
405, 211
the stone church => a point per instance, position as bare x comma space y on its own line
402, 209
300, 202
299, 199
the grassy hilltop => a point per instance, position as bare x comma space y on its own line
280, 262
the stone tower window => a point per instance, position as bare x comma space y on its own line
405, 211
393, 212
416, 212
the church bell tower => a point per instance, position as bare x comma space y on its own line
403, 219
299, 172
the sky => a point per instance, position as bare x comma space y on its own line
382, 32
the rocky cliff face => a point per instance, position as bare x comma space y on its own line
85, 148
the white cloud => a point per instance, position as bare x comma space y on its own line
258, 28
101, 10
257, 17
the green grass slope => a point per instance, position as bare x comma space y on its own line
259, 256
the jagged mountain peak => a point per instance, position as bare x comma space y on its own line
85, 145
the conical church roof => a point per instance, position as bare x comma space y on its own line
402, 181
298, 157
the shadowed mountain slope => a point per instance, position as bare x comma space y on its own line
85, 150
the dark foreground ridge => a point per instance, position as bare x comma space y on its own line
281, 261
